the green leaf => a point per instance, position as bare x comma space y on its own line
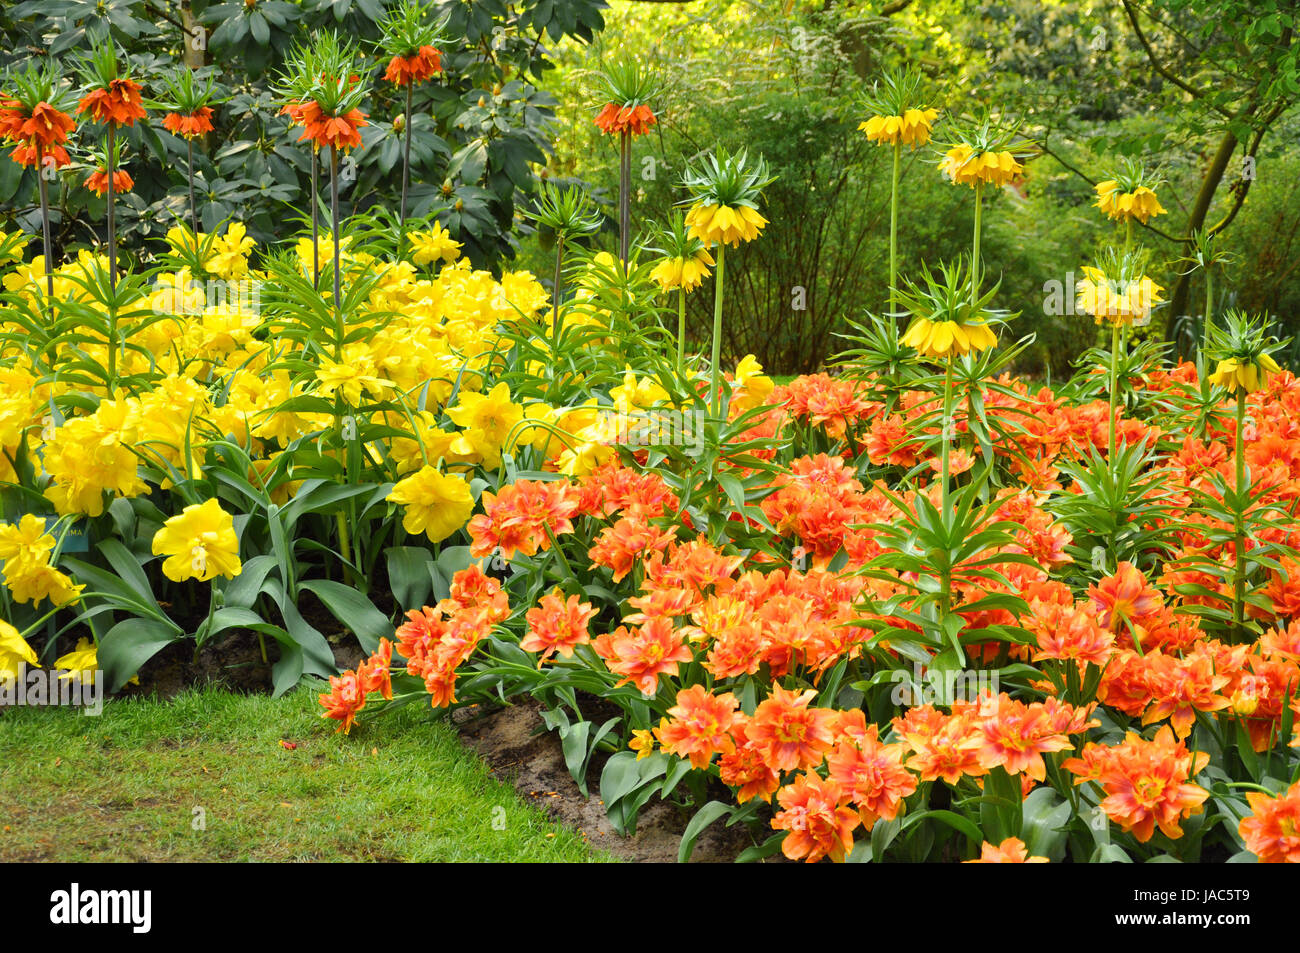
619, 777
1046, 815
131, 643
128, 569
573, 739
701, 819
243, 590
762, 851
353, 609
953, 820
408, 575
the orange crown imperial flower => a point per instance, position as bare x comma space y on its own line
338, 132
416, 68
97, 182
614, 119
119, 103
189, 125
26, 153
45, 126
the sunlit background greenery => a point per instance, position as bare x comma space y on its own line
1189, 87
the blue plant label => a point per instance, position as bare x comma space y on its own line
74, 540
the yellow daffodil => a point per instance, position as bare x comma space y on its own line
520, 291
750, 386
912, 128
539, 437
230, 253
25, 540
81, 663
436, 504
355, 376
14, 652
487, 420
643, 743
88, 455
637, 393
35, 580
200, 543
433, 244
12, 245
587, 456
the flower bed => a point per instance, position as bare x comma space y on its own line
918, 608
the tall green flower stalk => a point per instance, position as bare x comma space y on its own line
898, 116
980, 152
1209, 258
1243, 352
725, 190
189, 104
410, 39
328, 91
113, 99
684, 264
946, 325
46, 244
975, 242
310, 69
38, 125
627, 89
1117, 293
568, 214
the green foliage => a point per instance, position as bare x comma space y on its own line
479, 129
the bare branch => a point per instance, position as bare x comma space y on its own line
1155, 61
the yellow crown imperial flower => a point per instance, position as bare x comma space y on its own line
684, 272
965, 166
942, 339
716, 224
912, 128
1250, 376
946, 321
1117, 301
1130, 193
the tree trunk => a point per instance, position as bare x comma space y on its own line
1196, 221
194, 58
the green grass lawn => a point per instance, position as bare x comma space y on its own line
125, 786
